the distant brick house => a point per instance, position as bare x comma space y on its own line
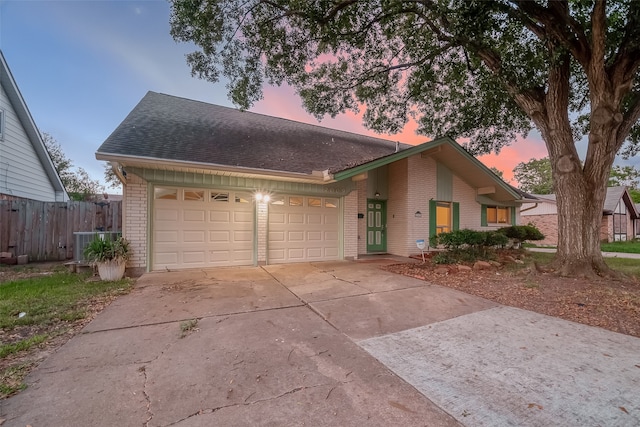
620, 216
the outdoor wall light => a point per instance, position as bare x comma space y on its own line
377, 194
263, 197
418, 214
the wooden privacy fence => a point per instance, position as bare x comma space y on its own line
44, 230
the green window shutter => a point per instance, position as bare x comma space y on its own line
432, 218
483, 215
456, 216
513, 215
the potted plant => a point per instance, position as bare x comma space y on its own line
109, 255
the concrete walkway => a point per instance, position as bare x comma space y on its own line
327, 344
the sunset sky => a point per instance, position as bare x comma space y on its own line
83, 65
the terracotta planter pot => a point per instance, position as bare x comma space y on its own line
111, 270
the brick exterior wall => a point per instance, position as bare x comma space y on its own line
547, 224
262, 231
134, 220
469, 208
350, 225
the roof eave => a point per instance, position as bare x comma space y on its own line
317, 177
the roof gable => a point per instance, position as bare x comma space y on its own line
448, 152
20, 109
169, 128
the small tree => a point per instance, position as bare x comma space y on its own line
77, 182
534, 176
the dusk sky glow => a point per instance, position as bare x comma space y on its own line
81, 67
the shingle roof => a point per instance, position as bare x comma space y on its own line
613, 197
172, 128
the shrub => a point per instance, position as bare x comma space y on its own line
467, 245
102, 250
522, 233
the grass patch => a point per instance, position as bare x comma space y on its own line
630, 247
7, 349
628, 266
50, 299
12, 379
50, 302
188, 326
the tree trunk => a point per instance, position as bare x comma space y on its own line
580, 194
579, 219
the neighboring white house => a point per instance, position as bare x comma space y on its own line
26, 170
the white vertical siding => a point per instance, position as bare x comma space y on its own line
21, 172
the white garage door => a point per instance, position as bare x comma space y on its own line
303, 229
195, 228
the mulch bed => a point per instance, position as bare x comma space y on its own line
606, 303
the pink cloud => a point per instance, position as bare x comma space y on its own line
522, 150
283, 102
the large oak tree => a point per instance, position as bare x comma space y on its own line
486, 71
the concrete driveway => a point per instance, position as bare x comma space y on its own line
340, 344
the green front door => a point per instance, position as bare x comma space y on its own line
376, 226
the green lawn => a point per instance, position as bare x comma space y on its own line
630, 267
38, 308
631, 247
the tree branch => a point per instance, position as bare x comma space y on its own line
557, 24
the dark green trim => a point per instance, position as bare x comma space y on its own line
456, 216
348, 173
513, 215
432, 218
483, 215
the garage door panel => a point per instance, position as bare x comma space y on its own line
314, 219
166, 236
295, 218
314, 235
168, 258
307, 230
315, 253
243, 217
220, 216
296, 254
276, 218
331, 252
166, 215
194, 215
219, 237
276, 236
331, 236
213, 233
193, 237
295, 236
193, 257
243, 236
331, 219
